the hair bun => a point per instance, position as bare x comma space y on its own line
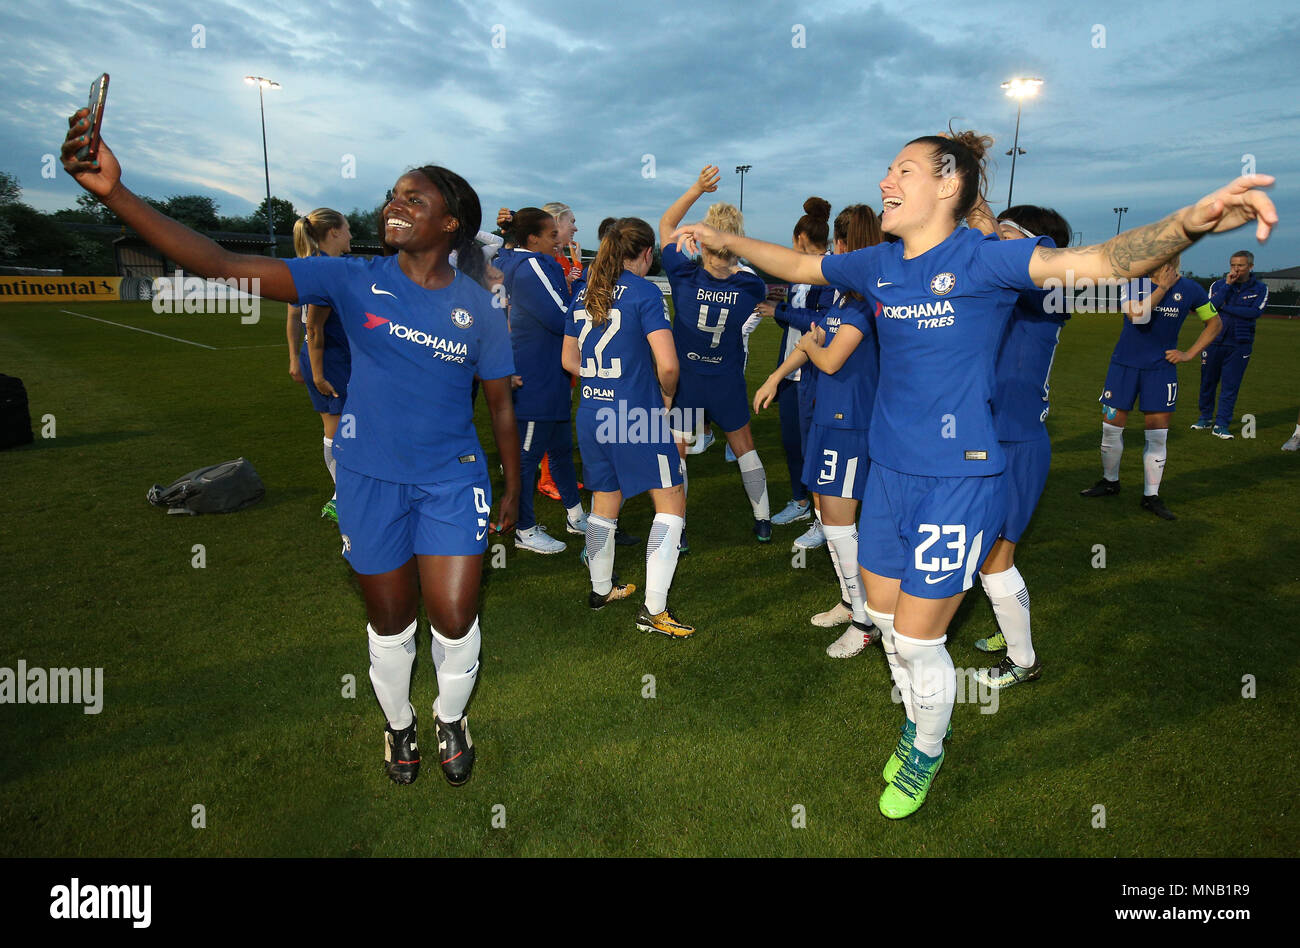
818, 208
977, 144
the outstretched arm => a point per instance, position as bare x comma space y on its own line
782, 262
706, 183
1140, 250
194, 252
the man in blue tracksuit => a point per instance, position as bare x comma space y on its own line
1239, 299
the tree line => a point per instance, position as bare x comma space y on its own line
32, 238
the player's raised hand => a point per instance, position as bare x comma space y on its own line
691, 238
707, 182
1166, 276
1233, 205
504, 217
99, 176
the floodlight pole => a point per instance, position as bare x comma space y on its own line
262, 83
1015, 148
1120, 211
740, 170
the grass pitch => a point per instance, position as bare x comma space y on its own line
225, 686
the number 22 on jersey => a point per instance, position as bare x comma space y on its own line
594, 367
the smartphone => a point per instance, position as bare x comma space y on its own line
98, 93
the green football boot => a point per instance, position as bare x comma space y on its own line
907, 791
1008, 673
907, 734
994, 643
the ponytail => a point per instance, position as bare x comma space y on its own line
309, 229
626, 239
858, 226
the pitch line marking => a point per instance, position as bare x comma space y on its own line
109, 322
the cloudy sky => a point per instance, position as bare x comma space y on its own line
614, 107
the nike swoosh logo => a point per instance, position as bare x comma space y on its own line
374, 288
929, 581
879, 284
479, 536
372, 321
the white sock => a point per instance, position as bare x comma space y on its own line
754, 478
661, 560
391, 658
1153, 460
843, 542
600, 552
1010, 601
1296, 433
329, 458
934, 688
885, 623
456, 661
839, 574
683, 470
1112, 446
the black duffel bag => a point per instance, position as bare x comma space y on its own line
220, 488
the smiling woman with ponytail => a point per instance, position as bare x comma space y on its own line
934, 500
322, 360
414, 494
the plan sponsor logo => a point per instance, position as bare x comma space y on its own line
25, 685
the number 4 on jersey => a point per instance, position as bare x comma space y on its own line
715, 331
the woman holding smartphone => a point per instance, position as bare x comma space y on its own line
414, 493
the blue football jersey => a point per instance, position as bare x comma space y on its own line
415, 352
1020, 400
710, 313
939, 318
1143, 345
617, 364
845, 399
539, 299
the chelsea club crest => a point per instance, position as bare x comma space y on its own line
461, 318
942, 284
